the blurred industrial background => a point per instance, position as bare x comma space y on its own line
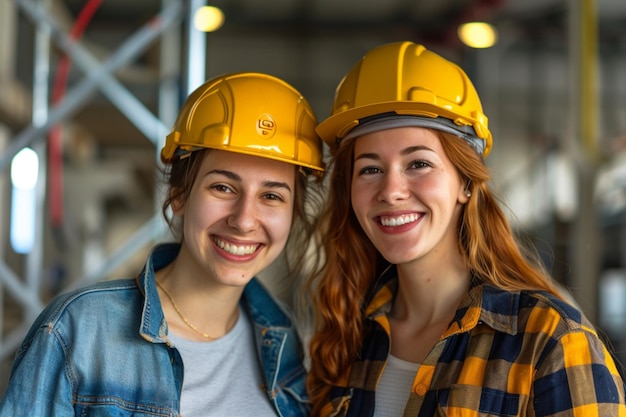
90, 88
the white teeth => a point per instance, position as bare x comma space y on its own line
398, 221
235, 249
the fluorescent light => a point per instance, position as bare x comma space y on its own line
25, 169
23, 220
24, 173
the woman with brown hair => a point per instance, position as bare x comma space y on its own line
427, 304
195, 333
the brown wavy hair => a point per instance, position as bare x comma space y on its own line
486, 241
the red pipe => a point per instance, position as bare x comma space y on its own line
55, 145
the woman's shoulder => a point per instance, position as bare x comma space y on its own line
549, 304
536, 311
544, 312
85, 312
92, 300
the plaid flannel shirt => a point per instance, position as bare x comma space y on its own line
505, 354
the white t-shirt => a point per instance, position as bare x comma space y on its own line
223, 377
394, 387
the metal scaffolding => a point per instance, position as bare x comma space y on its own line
98, 75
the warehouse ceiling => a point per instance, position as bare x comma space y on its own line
429, 22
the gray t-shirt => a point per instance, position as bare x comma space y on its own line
394, 387
223, 377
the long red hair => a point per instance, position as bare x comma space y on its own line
352, 263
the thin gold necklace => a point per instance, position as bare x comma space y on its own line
182, 316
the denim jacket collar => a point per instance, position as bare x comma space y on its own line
153, 324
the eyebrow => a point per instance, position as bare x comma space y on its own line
235, 177
405, 151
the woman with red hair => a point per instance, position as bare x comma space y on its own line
427, 305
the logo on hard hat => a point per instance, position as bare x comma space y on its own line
266, 126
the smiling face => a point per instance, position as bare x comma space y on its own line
407, 195
237, 216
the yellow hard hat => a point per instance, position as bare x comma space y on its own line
403, 79
250, 113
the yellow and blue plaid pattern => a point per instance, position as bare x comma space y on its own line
505, 354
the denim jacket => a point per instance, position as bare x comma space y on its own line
104, 351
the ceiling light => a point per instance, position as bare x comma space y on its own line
477, 34
208, 19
